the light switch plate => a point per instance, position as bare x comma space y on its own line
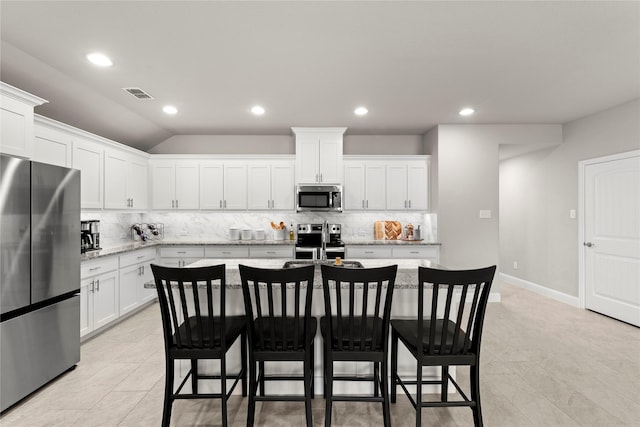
485, 214
572, 214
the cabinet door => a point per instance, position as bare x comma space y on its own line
144, 294
375, 189
105, 299
116, 168
307, 161
16, 132
354, 186
397, 186
235, 186
51, 146
330, 159
259, 186
418, 186
282, 186
211, 185
137, 183
187, 185
163, 181
86, 309
88, 158
129, 282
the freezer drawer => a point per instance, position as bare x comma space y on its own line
37, 347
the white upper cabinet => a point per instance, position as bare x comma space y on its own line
16, 116
235, 185
223, 185
175, 184
319, 153
407, 185
51, 144
364, 185
88, 157
270, 185
125, 180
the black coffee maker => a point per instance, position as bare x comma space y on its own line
89, 235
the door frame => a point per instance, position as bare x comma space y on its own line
582, 165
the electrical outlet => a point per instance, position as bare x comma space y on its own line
123, 236
515, 265
572, 214
484, 214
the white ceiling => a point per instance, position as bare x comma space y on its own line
413, 64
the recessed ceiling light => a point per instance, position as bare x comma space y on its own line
361, 111
169, 109
257, 110
467, 111
99, 60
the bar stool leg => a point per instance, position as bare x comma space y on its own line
394, 365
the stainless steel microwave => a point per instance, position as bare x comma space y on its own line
319, 197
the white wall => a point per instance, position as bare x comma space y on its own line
285, 144
538, 189
467, 182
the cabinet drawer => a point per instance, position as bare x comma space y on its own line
98, 266
416, 252
226, 252
136, 257
367, 252
271, 252
182, 252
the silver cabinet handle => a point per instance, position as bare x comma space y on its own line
271, 252
226, 252
320, 177
95, 268
176, 203
92, 284
173, 203
132, 202
98, 285
409, 203
589, 244
363, 204
143, 269
367, 204
225, 204
414, 252
181, 252
220, 204
141, 256
368, 252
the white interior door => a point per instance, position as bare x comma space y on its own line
612, 238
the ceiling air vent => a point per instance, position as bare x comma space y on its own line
137, 92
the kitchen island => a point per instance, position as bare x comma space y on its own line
404, 305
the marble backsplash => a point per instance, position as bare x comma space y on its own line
213, 226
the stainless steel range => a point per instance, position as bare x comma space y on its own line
319, 241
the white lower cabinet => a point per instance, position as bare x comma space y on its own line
226, 252
135, 271
98, 294
432, 253
180, 256
271, 251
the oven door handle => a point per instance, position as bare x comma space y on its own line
305, 249
334, 250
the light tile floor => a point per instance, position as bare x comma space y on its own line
543, 363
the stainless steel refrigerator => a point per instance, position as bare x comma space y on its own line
39, 275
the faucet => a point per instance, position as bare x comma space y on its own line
325, 232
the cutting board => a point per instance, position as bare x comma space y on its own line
392, 230
378, 230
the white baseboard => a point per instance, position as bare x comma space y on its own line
494, 297
539, 289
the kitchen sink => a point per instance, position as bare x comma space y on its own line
303, 262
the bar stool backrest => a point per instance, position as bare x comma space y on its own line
196, 295
348, 307
458, 305
278, 307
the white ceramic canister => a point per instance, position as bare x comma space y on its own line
234, 234
259, 234
246, 234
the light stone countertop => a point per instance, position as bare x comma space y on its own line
406, 277
132, 246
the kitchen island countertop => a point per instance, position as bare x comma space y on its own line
406, 277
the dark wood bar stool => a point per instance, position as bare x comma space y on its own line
355, 328
448, 335
281, 329
193, 331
